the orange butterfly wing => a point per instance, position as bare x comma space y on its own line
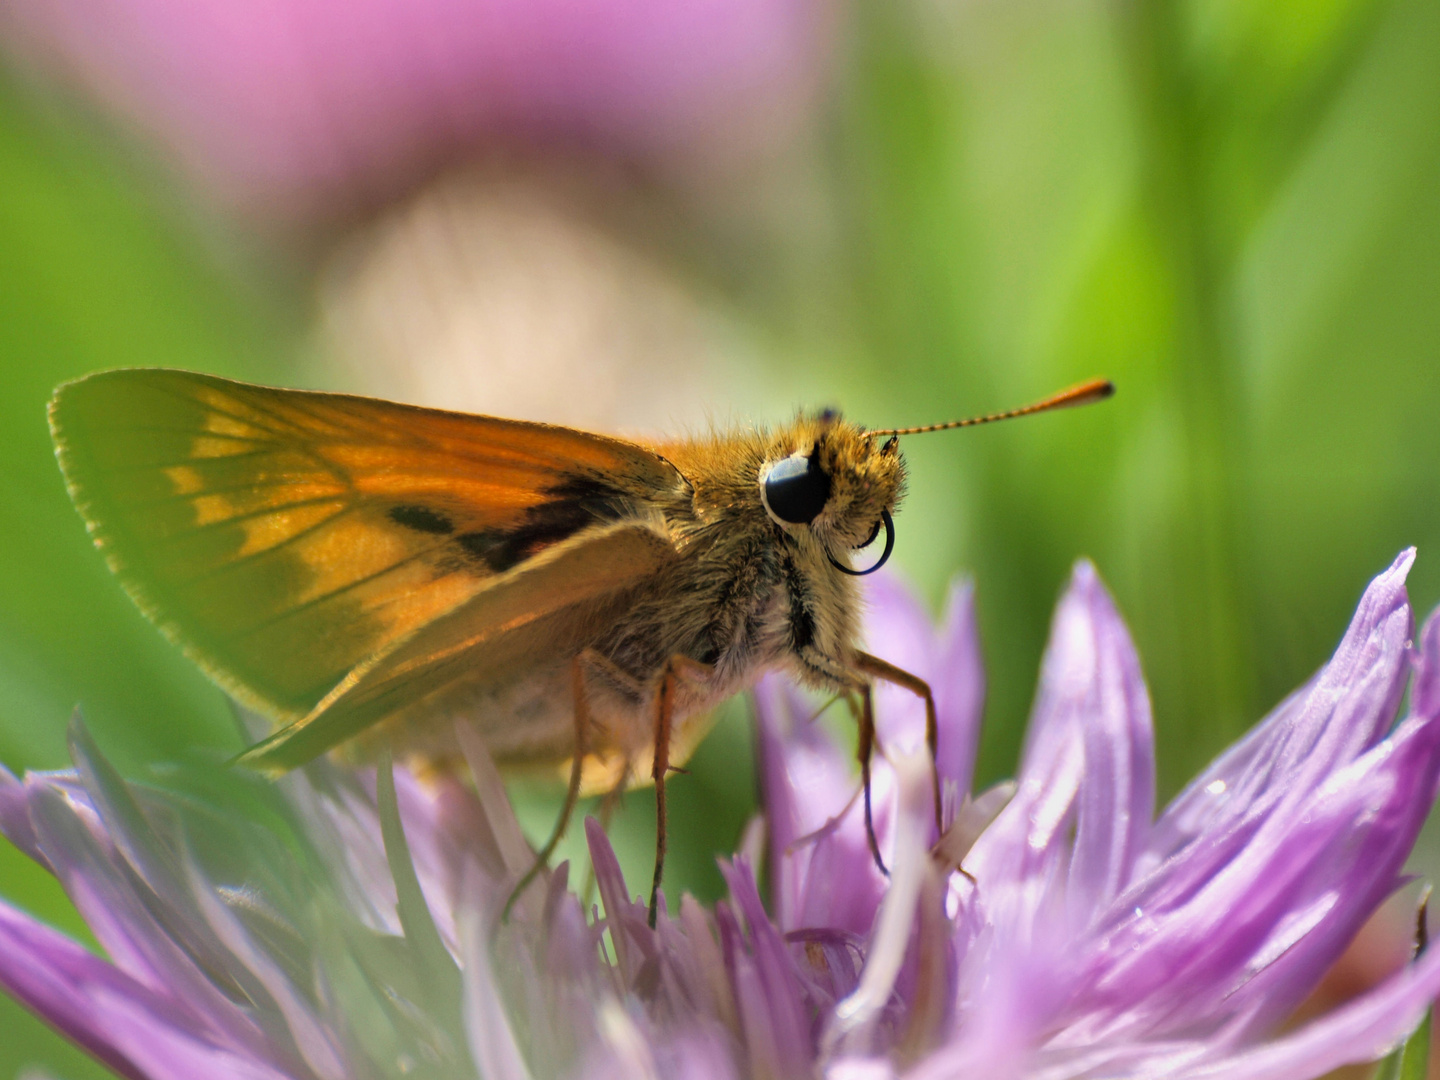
546, 607
287, 538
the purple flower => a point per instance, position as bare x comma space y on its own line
346, 925
1085, 938
274, 102
345, 928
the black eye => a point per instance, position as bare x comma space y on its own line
797, 489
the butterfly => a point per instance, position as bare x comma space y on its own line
368, 573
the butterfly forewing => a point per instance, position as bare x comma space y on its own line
285, 538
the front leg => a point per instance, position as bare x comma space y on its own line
876, 668
819, 669
864, 747
677, 669
825, 669
859, 678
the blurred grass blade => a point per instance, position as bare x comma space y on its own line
1411, 1058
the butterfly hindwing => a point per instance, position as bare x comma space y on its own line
285, 538
543, 609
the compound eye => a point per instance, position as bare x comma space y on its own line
796, 490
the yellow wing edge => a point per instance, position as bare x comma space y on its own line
134, 587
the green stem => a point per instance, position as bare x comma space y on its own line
1209, 601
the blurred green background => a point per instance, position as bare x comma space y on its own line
1231, 208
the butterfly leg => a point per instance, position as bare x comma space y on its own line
876, 668
865, 747
572, 792
677, 669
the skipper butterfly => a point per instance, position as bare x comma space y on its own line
368, 573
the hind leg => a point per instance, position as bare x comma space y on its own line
587, 665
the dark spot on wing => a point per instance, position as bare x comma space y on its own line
421, 519
596, 497
570, 507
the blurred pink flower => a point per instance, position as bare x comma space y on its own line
281, 105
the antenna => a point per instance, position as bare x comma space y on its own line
1084, 394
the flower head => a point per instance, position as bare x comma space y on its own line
347, 924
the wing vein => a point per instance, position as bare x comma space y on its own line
316, 601
215, 526
241, 561
206, 406
278, 484
161, 466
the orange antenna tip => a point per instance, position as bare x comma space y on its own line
1083, 394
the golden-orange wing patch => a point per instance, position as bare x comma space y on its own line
285, 537
545, 607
